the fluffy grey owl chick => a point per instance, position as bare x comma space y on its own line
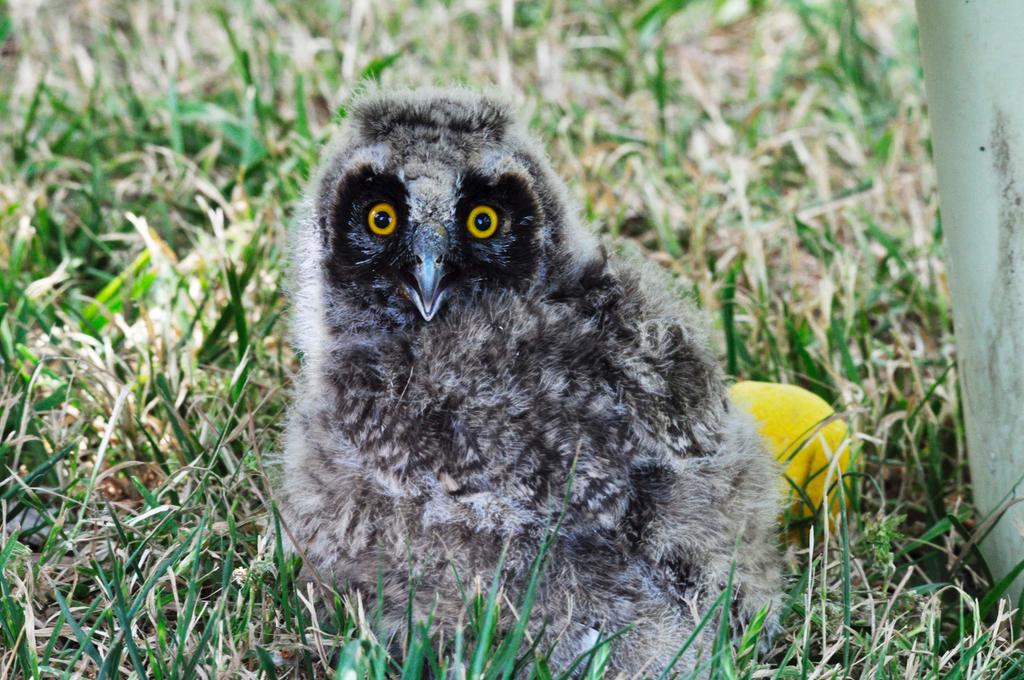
467, 347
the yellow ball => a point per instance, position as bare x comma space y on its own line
790, 421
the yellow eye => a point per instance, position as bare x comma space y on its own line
482, 221
381, 219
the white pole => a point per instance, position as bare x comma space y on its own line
974, 75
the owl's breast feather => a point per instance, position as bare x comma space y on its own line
512, 403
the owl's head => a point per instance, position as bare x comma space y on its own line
425, 200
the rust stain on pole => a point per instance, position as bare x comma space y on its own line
1008, 295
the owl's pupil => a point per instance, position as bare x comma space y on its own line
382, 219
483, 221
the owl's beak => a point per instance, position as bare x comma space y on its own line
429, 246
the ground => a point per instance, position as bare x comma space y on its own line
773, 153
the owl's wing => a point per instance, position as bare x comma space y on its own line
706, 494
671, 380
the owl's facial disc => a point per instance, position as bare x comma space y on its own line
410, 248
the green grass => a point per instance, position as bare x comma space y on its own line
774, 154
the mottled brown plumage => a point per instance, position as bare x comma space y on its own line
447, 439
